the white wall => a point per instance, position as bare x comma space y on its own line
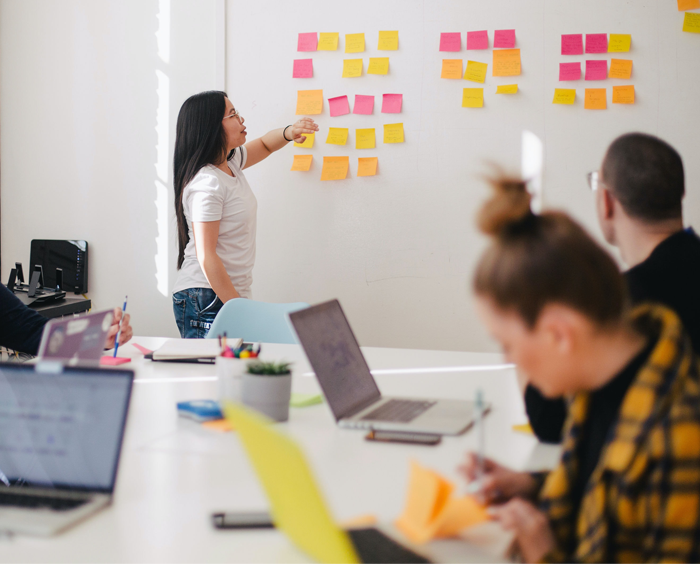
89, 94
399, 249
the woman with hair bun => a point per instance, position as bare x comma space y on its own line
627, 488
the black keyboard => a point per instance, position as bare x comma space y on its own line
374, 546
400, 411
37, 501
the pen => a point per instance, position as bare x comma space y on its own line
116, 337
475, 486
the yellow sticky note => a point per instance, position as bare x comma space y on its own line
596, 99
337, 135
393, 133
367, 166
308, 143
352, 68
302, 162
564, 96
620, 68
389, 41
507, 89
378, 65
309, 102
691, 22
335, 168
364, 139
524, 428
619, 43
354, 42
451, 68
688, 5
473, 98
506, 62
623, 94
476, 71
327, 42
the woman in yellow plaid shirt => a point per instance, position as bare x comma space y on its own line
627, 488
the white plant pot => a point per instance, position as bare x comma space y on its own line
269, 395
230, 374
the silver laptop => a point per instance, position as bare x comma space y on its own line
61, 431
350, 389
76, 340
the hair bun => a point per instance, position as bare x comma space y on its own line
509, 206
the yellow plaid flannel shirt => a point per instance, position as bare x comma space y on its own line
642, 502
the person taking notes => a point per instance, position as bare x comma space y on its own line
639, 191
215, 207
627, 487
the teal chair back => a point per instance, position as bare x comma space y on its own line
255, 321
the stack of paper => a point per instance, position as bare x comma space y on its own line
431, 512
191, 349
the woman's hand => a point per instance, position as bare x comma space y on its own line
299, 129
533, 534
498, 483
126, 331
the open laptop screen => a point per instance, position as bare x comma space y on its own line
336, 358
62, 428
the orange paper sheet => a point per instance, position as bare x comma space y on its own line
367, 166
335, 168
506, 62
309, 102
620, 68
596, 99
221, 425
451, 68
688, 5
623, 94
302, 163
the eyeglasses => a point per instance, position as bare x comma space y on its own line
235, 114
594, 180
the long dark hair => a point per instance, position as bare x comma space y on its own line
200, 140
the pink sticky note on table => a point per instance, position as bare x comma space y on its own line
596, 43
113, 360
307, 42
303, 68
339, 106
572, 44
450, 42
504, 39
477, 40
391, 103
363, 105
596, 70
569, 71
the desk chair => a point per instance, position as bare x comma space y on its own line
256, 321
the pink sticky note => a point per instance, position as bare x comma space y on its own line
572, 44
596, 43
307, 42
142, 349
450, 42
391, 103
504, 39
339, 106
113, 360
596, 70
363, 105
569, 71
303, 68
477, 40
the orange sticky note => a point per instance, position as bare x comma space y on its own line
596, 99
221, 425
506, 62
623, 94
451, 68
367, 166
335, 168
688, 5
458, 514
620, 68
302, 163
309, 102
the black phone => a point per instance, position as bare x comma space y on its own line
242, 520
404, 437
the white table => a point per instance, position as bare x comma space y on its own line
173, 473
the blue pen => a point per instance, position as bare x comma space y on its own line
116, 338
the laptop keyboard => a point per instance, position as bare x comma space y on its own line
398, 410
374, 546
37, 501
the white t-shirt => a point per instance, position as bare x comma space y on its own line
212, 195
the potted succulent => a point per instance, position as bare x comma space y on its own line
267, 387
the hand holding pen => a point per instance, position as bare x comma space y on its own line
121, 331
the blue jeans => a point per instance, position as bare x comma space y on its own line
195, 310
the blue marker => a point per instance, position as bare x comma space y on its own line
116, 337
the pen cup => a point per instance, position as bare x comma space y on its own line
230, 372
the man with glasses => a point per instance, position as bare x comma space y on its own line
639, 192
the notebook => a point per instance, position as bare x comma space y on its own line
192, 350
